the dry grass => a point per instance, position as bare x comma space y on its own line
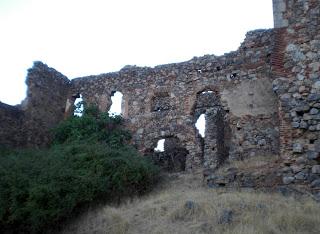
166, 211
258, 162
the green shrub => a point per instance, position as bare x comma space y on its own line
92, 126
90, 160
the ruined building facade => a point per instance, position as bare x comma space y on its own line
261, 100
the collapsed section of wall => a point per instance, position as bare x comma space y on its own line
44, 105
29, 124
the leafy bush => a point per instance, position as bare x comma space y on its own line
92, 126
90, 160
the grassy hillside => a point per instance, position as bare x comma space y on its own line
182, 205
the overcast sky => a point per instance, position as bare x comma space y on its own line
86, 37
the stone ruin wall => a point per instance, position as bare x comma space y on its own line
29, 124
264, 98
11, 120
166, 101
296, 68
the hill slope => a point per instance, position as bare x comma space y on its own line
181, 204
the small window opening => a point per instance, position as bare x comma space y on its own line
116, 99
78, 103
218, 68
160, 146
201, 124
311, 141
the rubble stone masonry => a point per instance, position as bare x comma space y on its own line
296, 70
261, 100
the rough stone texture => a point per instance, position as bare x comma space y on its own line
173, 158
166, 101
279, 11
11, 119
29, 124
262, 99
297, 71
226, 217
215, 143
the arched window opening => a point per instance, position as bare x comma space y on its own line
201, 125
116, 106
78, 106
160, 146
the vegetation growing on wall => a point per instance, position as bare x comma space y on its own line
90, 160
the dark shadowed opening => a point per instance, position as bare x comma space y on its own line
170, 155
211, 125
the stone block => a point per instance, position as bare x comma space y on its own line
313, 155
315, 184
297, 148
316, 169
288, 179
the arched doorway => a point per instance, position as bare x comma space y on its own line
210, 122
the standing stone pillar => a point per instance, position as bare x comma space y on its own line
214, 145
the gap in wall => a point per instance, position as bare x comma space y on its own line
201, 125
116, 99
170, 154
78, 106
160, 146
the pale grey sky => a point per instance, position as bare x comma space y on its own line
85, 37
